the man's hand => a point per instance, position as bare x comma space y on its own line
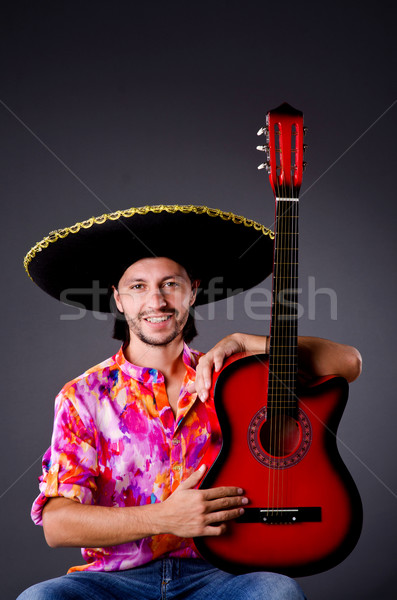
214, 358
189, 512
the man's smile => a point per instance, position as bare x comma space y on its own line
158, 319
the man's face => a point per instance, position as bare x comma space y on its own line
155, 295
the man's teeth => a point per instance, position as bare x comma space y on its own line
157, 319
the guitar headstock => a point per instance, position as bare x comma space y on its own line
284, 148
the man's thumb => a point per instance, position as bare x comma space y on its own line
193, 479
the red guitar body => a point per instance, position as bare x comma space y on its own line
305, 512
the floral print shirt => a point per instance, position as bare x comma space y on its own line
116, 442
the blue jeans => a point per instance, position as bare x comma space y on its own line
167, 579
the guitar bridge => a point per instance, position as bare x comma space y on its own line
281, 516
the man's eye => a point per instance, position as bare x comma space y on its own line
137, 286
170, 284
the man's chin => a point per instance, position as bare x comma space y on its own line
158, 340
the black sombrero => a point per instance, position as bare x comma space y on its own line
79, 264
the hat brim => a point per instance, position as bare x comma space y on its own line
79, 264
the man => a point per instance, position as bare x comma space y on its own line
120, 479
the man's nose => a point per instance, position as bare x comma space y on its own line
157, 299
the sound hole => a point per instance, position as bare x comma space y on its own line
280, 435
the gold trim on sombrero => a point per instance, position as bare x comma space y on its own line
142, 210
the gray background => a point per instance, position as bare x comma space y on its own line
106, 105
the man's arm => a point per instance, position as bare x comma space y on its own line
317, 357
188, 512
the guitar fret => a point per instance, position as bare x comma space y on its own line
281, 396
282, 383
287, 396
282, 403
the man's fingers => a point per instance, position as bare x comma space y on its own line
203, 377
206, 369
228, 502
214, 530
193, 479
219, 497
224, 515
220, 355
213, 361
222, 492
216, 522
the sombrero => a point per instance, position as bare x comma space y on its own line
79, 264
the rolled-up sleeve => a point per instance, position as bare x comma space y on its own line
70, 465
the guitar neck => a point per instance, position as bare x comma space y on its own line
284, 150
283, 359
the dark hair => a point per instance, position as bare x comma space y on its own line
121, 330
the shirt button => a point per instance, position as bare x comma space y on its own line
175, 442
177, 468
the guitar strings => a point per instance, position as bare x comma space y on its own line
284, 325
283, 244
280, 330
273, 342
292, 338
289, 337
283, 341
277, 324
275, 329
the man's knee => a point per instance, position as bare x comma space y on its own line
47, 590
291, 589
34, 593
271, 586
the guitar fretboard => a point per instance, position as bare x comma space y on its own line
284, 319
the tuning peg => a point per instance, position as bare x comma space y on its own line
305, 130
262, 130
305, 147
262, 148
304, 165
265, 165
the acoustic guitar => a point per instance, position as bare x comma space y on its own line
279, 437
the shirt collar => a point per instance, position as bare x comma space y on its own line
148, 375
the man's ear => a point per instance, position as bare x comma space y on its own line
195, 285
116, 297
